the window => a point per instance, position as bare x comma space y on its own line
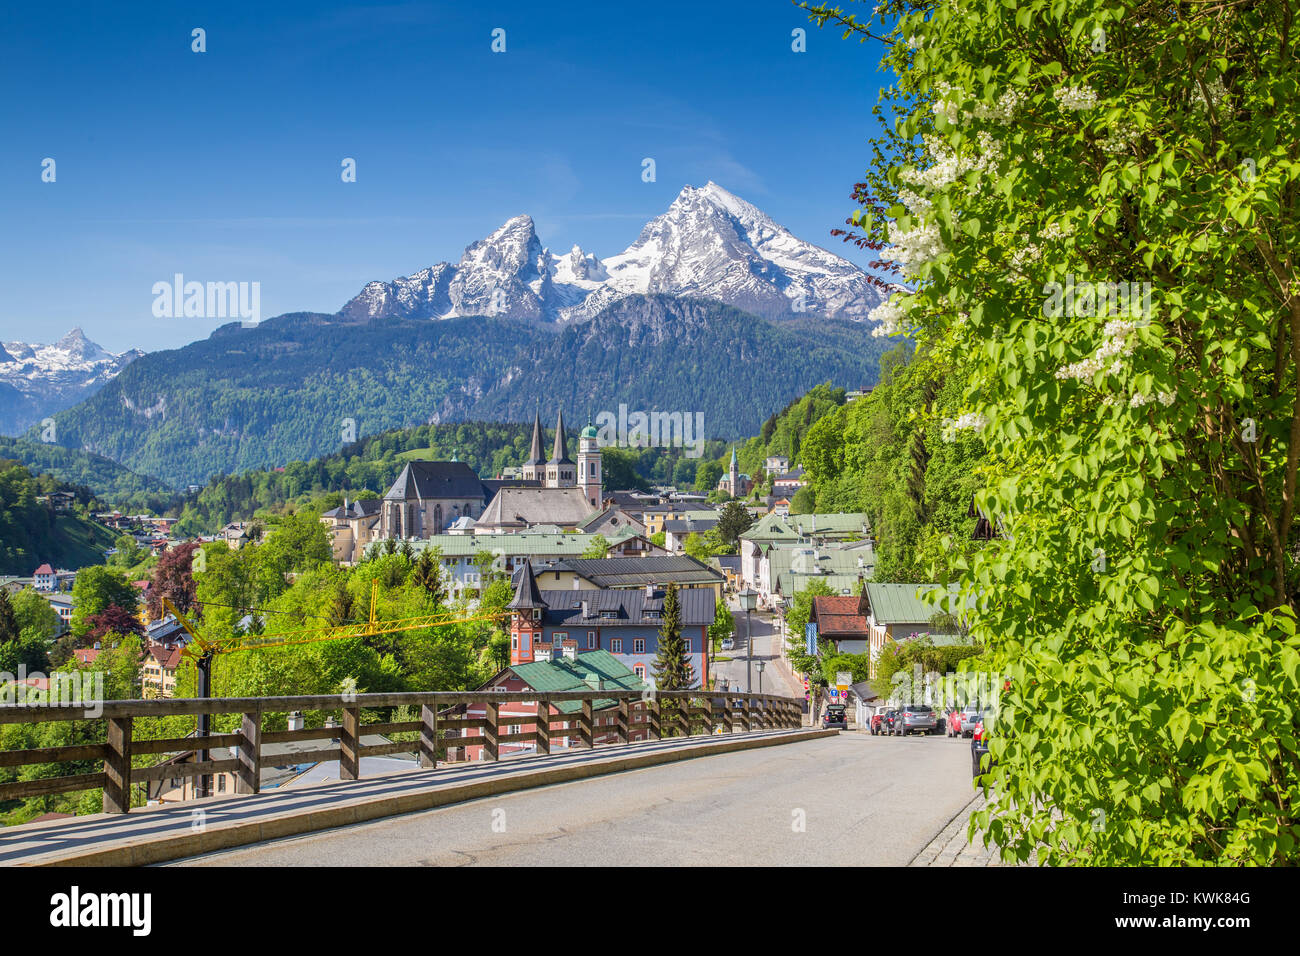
559, 637
639, 670
221, 783
514, 643
687, 642
514, 729
591, 640
616, 645
638, 645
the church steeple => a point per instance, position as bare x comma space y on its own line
535, 467
560, 453
535, 453
560, 470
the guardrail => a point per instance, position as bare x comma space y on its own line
444, 719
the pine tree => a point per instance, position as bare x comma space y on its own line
341, 606
428, 576
672, 665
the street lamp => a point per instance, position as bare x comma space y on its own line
761, 665
748, 601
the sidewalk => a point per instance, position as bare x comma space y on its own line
951, 848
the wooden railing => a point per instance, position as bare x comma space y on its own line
665, 713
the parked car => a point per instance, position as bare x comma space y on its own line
913, 719
961, 723
728, 644
877, 724
835, 717
887, 721
979, 746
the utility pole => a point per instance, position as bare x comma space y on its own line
204, 666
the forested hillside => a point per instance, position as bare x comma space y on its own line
112, 483
32, 534
914, 474
304, 385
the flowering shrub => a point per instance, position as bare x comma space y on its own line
1142, 594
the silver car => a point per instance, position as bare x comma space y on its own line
914, 718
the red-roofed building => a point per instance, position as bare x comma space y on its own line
158, 675
86, 655
843, 621
44, 578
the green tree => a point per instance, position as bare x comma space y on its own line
734, 520
598, 547
723, 625
672, 665
1093, 208
97, 588
37, 620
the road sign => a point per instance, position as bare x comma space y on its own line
843, 679
834, 694
810, 638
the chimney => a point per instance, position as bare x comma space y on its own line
649, 592
593, 680
586, 609
575, 583
296, 720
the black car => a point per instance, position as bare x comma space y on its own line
835, 717
887, 722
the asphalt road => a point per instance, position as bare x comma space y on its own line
775, 680
852, 799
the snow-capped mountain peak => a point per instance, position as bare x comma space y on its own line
48, 378
709, 244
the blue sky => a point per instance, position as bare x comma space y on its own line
225, 165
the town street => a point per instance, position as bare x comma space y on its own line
852, 799
776, 679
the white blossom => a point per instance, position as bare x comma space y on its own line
890, 314
1115, 345
1075, 97
912, 248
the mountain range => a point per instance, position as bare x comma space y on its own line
715, 308
710, 244
38, 380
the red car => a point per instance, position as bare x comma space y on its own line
877, 723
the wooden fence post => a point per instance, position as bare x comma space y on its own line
249, 777
586, 740
746, 722
117, 766
429, 736
652, 716
350, 744
491, 714
624, 719
543, 726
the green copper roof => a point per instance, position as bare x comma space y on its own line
564, 674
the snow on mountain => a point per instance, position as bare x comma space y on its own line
710, 244
49, 378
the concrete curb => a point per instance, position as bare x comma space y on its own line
143, 849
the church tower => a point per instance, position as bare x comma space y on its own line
590, 479
560, 469
733, 475
535, 467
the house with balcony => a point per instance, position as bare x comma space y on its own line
623, 621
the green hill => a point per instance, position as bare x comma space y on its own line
291, 388
31, 533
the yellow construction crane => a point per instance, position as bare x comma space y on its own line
200, 647
203, 650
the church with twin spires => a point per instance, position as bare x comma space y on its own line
560, 471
